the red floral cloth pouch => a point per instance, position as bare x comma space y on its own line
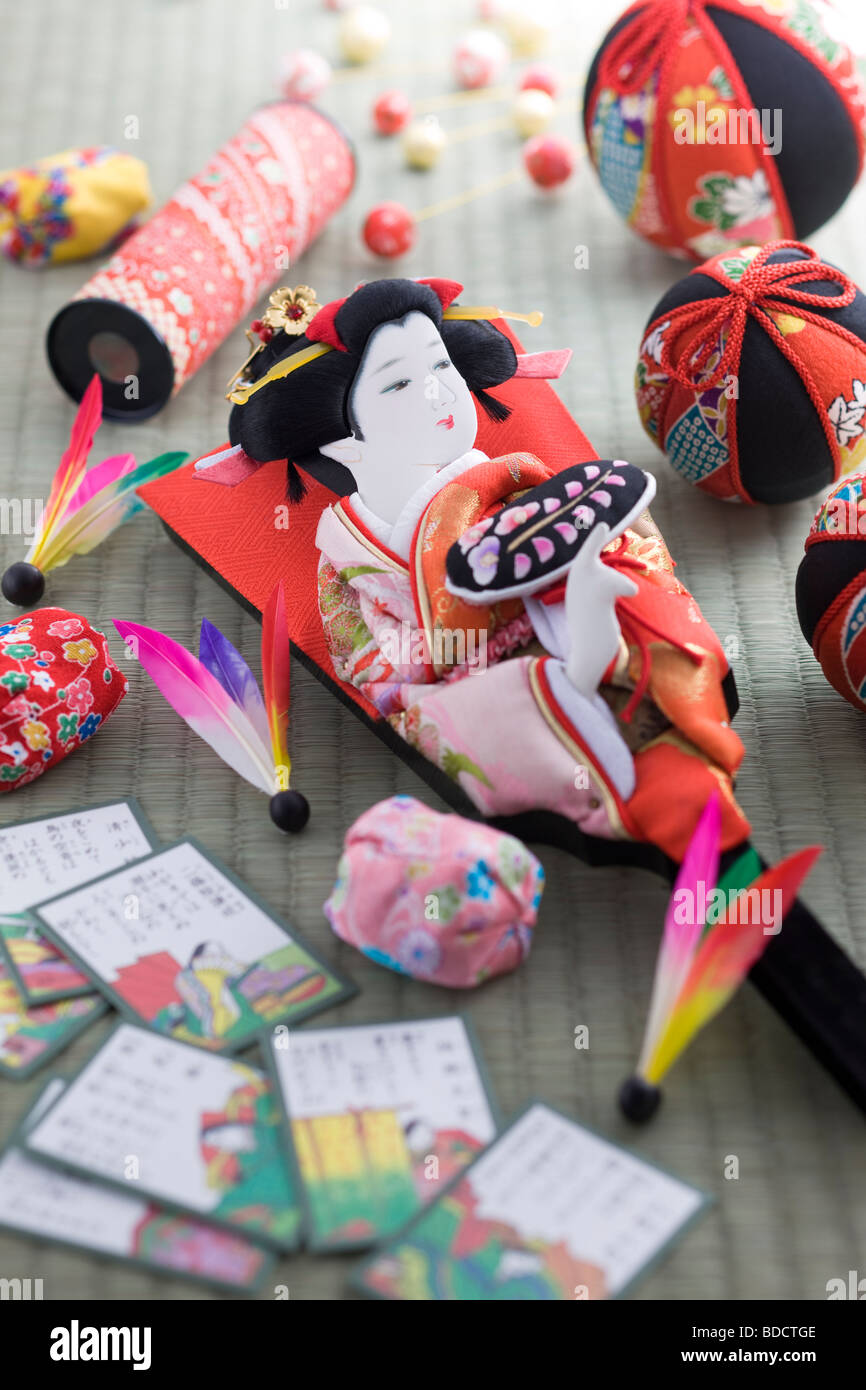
58, 685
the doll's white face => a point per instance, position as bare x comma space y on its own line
413, 412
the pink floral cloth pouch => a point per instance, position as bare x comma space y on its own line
446, 900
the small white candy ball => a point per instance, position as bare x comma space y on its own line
364, 31
423, 143
527, 36
533, 111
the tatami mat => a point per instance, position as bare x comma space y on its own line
191, 70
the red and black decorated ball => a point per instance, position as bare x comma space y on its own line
752, 374
831, 589
720, 123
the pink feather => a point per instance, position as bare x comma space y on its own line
276, 679
723, 958
198, 698
700, 867
98, 477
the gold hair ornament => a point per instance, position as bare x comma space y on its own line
290, 312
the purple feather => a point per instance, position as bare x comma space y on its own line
225, 662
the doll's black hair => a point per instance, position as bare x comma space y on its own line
294, 417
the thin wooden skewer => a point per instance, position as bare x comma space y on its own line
448, 204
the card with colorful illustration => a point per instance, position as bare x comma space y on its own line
41, 972
549, 1211
40, 858
381, 1118
193, 1131
30, 1035
38, 1201
177, 942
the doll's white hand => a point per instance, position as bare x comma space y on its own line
593, 630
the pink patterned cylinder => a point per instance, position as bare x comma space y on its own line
175, 290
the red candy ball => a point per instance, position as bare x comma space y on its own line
549, 160
389, 230
391, 111
541, 77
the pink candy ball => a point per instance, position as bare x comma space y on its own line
480, 58
389, 230
304, 74
549, 160
391, 112
542, 77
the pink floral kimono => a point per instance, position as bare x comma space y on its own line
473, 689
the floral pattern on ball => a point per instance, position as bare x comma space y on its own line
683, 149
45, 715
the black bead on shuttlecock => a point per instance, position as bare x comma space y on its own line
639, 1100
23, 584
290, 811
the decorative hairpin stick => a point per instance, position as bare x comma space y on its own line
489, 311
84, 505
218, 697
701, 964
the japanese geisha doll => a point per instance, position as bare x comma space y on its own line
518, 624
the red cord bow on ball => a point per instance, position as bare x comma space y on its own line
763, 288
640, 47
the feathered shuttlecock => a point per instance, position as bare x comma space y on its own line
218, 696
713, 934
84, 505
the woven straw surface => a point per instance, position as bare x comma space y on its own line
191, 70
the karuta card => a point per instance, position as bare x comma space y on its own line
40, 858
41, 972
177, 942
381, 1117
192, 1131
39, 1201
30, 1035
549, 1211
